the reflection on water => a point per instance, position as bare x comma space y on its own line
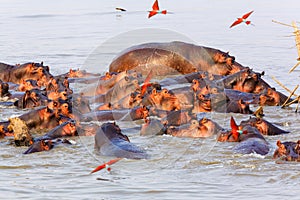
65, 34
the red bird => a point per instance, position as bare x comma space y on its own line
236, 130
243, 19
155, 10
106, 165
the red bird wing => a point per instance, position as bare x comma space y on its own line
245, 16
152, 13
155, 5
238, 21
146, 82
233, 125
104, 165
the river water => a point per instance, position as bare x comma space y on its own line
67, 34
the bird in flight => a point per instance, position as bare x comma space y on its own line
242, 19
155, 10
121, 9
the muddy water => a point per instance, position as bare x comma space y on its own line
67, 34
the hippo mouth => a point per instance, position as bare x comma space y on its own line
205, 104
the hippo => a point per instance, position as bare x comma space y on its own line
220, 103
153, 126
236, 95
40, 118
196, 129
287, 151
264, 127
136, 113
16, 74
65, 129
249, 138
45, 145
188, 78
174, 58
103, 86
28, 85
251, 82
32, 98
163, 100
129, 101
109, 141
117, 92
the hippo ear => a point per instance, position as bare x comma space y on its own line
42, 63
262, 73
48, 110
145, 108
203, 120
278, 143
258, 120
154, 91
233, 125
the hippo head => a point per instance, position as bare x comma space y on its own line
153, 127
225, 136
107, 132
4, 89
82, 104
135, 99
141, 112
33, 98
204, 102
270, 98
28, 85
209, 126
223, 58
69, 128
42, 145
233, 135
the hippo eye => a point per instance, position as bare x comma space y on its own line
194, 122
204, 120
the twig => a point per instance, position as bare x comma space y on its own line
292, 69
290, 96
259, 113
279, 83
282, 23
295, 100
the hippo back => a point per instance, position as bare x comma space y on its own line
170, 58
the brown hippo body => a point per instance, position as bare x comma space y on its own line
45, 145
264, 127
249, 138
174, 58
287, 151
135, 113
195, 129
16, 74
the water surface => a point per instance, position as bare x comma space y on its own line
65, 34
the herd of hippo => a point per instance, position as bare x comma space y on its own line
165, 85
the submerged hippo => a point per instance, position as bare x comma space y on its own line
109, 141
249, 138
174, 58
264, 127
288, 151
